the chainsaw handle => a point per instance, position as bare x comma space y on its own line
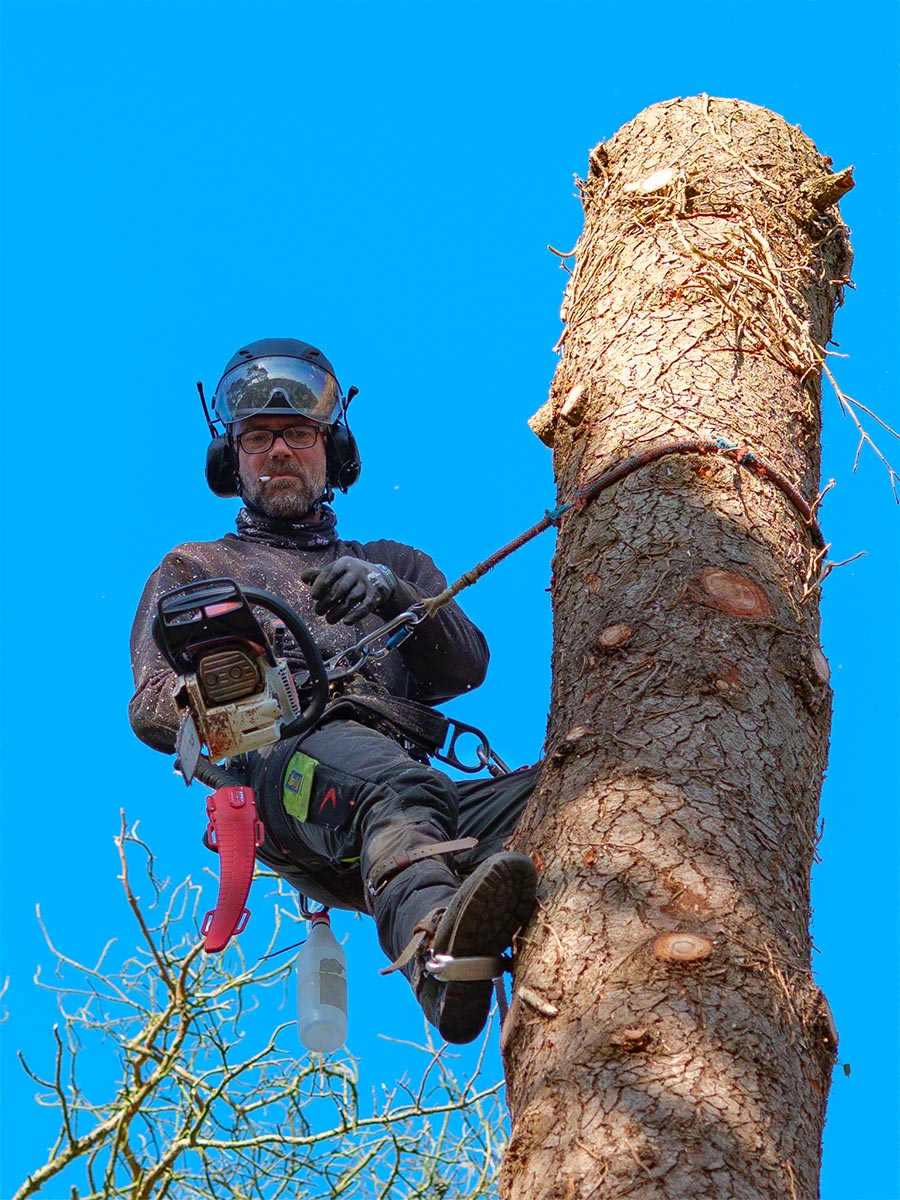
318, 674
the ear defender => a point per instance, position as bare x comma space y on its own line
221, 467
342, 458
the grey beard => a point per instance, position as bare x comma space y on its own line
285, 500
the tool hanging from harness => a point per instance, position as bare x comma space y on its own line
238, 695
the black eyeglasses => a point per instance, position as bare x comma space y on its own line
258, 441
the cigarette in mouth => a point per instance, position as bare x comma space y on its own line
264, 478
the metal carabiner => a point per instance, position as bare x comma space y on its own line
397, 630
491, 760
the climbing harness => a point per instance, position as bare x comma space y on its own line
422, 728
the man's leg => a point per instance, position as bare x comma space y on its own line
490, 809
345, 802
346, 792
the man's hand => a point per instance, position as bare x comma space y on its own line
350, 588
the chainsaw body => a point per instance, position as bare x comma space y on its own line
235, 693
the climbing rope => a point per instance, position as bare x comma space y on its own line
742, 455
500, 996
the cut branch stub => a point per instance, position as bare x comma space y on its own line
733, 594
826, 1021
632, 1039
825, 190
613, 636
819, 664
541, 424
682, 947
576, 739
728, 679
572, 408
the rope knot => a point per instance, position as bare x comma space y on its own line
748, 459
555, 515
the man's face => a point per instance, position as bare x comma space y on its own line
282, 481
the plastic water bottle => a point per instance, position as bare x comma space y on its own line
321, 989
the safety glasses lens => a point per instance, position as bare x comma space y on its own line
277, 385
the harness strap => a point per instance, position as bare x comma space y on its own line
392, 866
444, 967
417, 723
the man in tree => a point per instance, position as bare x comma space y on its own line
352, 817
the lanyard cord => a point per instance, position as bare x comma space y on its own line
742, 455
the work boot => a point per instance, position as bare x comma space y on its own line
495, 901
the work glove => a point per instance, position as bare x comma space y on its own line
350, 589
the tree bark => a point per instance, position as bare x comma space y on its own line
666, 1036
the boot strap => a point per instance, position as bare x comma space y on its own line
392, 866
422, 935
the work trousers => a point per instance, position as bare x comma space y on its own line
343, 800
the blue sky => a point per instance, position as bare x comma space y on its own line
381, 180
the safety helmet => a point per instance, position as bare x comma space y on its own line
278, 375
281, 376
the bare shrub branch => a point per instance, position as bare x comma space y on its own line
202, 1104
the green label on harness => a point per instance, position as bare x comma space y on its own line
298, 781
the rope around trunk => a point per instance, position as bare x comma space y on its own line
742, 455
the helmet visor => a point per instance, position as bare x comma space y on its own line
277, 385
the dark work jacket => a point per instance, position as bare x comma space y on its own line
447, 655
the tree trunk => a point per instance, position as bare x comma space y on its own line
666, 1037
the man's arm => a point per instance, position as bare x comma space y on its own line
447, 655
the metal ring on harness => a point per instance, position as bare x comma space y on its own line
487, 757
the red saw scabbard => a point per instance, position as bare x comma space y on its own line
234, 832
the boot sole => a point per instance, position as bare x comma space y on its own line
495, 901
